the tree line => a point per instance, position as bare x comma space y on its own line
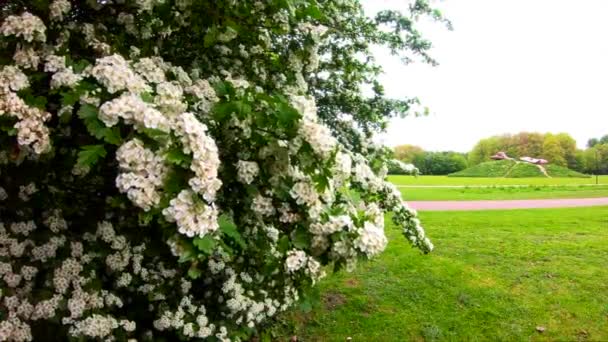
559, 149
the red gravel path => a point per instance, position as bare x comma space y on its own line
509, 204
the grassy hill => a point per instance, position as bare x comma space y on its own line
513, 169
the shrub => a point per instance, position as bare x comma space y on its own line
166, 173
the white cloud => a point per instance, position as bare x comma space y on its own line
508, 66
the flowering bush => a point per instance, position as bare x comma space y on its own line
187, 169
397, 167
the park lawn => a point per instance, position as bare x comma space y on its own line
445, 180
494, 276
502, 193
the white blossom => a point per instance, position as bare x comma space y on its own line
247, 171
27, 26
59, 8
143, 173
296, 260
133, 110
193, 218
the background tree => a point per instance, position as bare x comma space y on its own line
568, 146
596, 159
485, 148
552, 150
440, 163
592, 142
529, 144
407, 153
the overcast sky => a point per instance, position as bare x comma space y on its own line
508, 66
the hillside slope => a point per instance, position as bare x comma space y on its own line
513, 169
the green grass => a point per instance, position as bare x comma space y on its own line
494, 276
488, 169
558, 171
512, 169
503, 193
471, 181
524, 170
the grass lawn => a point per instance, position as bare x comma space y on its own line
445, 180
494, 276
503, 193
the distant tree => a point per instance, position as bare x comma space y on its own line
596, 159
604, 139
568, 145
592, 142
529, 144
553, 151
579, 165
484, 149
440, 163
406, 153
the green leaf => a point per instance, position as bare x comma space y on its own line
283, 244
178, 157
88, 113
79, 66
228, 227
69, 98
175, 181
205, 244
112, 136
144, 218
221, 89
222, 110
186, 255
156, 135
90, 155
314, 12
210, 37
242, 109
147, 97
287, 115
34, 101
194, 272
300, 238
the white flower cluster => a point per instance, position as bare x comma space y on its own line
26, 26
205, 163
169, 98
247, 171
304, 192
65, 78
114, 73
58, 9
31, 130
404, 167
193, 217
142, 174
26, 57
296, 260
262, 206
317, 135
151, 69
371, 240
133, 110
205, 94
333, 225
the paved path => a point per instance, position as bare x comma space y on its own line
510, 204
